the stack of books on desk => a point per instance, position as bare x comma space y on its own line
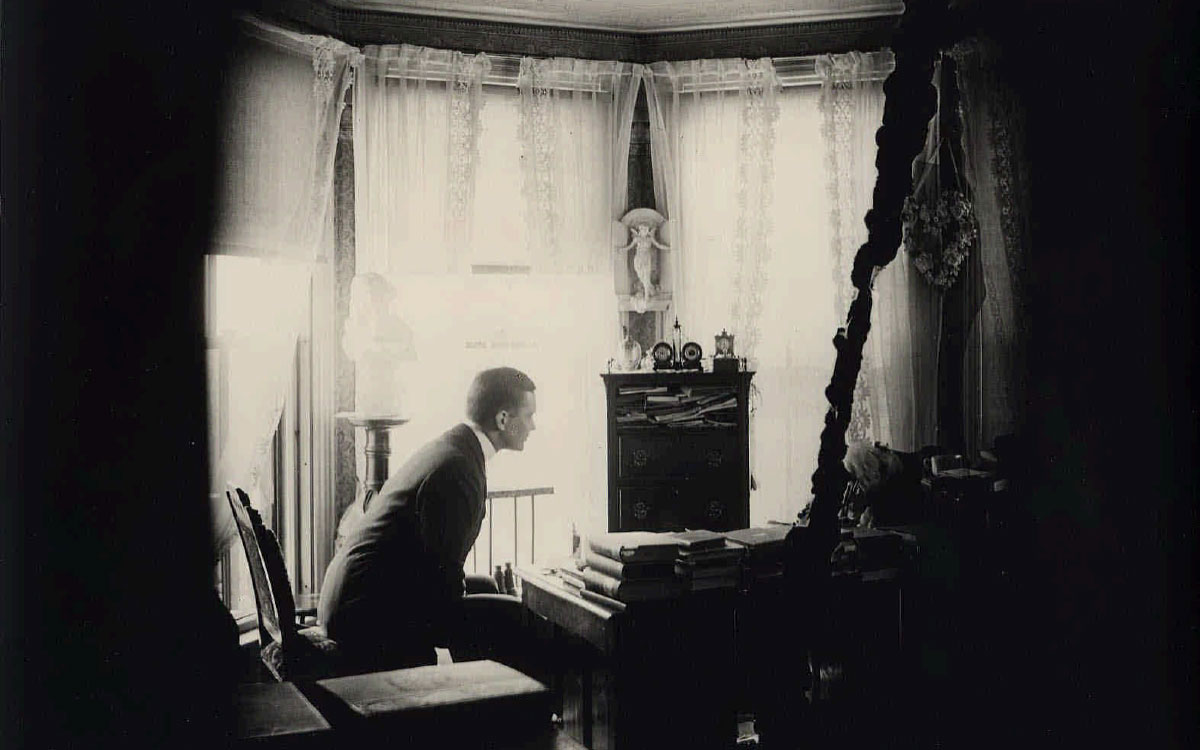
631, 566
707, 561
764, 547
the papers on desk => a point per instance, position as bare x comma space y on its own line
570, 580
602, 600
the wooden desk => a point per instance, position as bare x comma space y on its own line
659, 674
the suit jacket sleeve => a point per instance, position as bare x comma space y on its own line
450, 502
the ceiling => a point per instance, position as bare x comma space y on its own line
638, 16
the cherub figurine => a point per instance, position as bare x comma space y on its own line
642, 223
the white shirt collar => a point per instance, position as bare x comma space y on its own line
485, 443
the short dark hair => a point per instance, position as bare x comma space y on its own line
495, 390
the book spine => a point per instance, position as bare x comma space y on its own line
596, 581
605, 565
630, 591
631, 571
700, 571
613, 551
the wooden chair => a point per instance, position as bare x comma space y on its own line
290, 652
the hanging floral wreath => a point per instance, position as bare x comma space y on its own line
939, 236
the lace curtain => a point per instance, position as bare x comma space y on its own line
416, 146
551, 156
895, 399
751, 231
720, 116
282, 105
575, 118
998, 177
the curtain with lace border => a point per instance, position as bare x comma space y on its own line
282, 106
752, 88
416, 123
851, 107
745, 191
895, 398
574, 125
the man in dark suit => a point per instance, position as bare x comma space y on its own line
395, 588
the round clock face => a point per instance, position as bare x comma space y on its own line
661, 352
691, 352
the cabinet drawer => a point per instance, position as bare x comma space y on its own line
691, 505
694, 455
705, 455
649, 508
651, 455
717, 506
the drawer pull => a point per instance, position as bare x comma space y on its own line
714, 457
640, 458
641, 509
716, 509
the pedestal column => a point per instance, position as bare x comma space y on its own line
377, 451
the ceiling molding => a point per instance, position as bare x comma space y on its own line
375, 27
499, 14
364, 26
772, 41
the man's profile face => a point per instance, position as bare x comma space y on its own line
518, 423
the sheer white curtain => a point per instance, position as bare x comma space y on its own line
662, 87
798, 316
416, 137
752, 230
575, 118
450, 171
896, 397
714, 122
282, 105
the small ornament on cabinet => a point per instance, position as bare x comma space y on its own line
690, 355
676, 341
724, 360
631, 352
641, 225
663, 355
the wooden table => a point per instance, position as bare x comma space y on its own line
659, 674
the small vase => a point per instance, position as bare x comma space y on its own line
631, 353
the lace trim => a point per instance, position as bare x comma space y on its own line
466, 105
325, 64
539, 144
331, 62
755, 196
841, 78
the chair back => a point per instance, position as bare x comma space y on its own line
268, 574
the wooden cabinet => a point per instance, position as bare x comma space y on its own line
678, 450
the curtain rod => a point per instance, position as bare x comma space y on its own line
292, 41
800, 70
791, 71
